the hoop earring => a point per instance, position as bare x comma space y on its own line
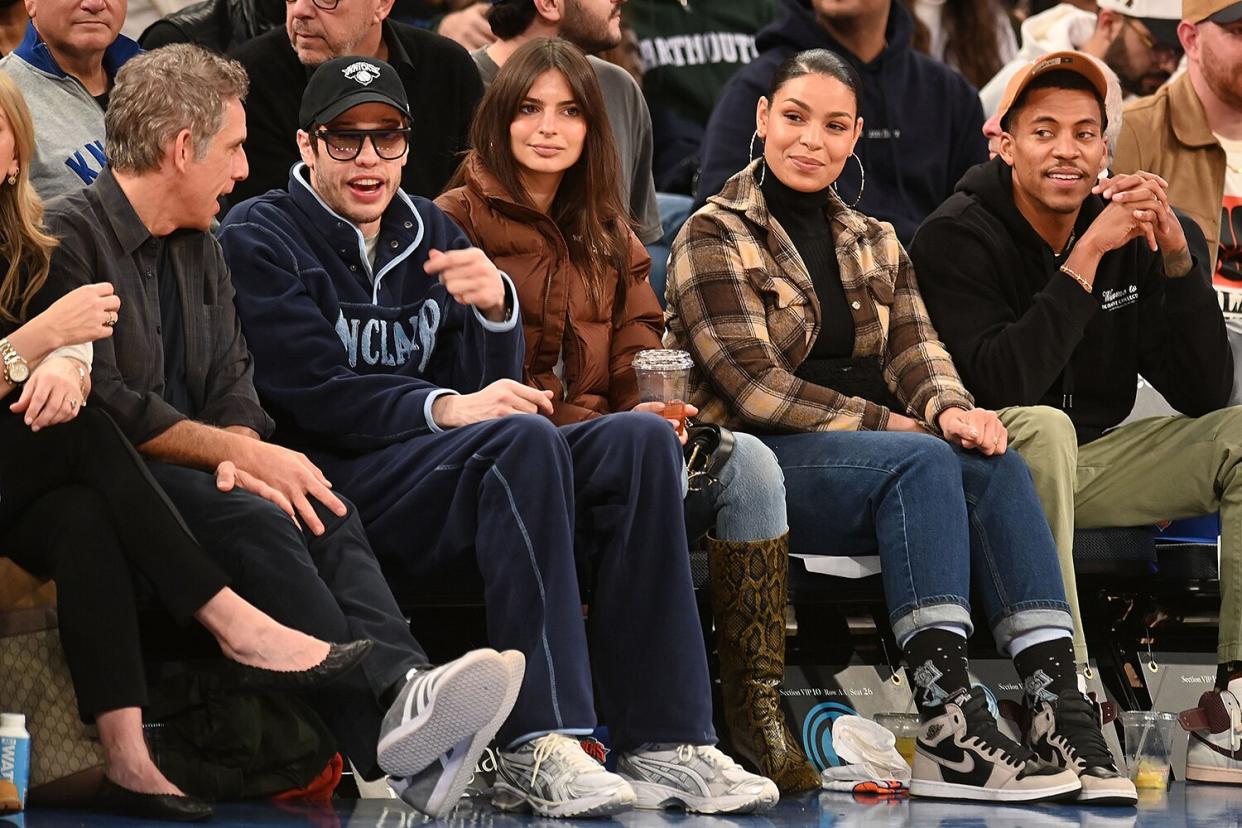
763, 171
862, 181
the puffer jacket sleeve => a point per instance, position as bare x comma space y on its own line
641, 326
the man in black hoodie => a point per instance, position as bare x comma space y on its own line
922, 122
1055, 291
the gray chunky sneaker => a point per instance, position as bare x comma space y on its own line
438, 709
436, 788
699, 778
554, 777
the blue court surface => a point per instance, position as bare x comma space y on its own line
1202, 806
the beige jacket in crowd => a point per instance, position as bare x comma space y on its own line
1168, 134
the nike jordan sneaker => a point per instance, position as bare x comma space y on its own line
1066, 733
961, 754
1215, 752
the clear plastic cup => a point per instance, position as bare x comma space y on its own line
663, 376
905, 728
1149, 744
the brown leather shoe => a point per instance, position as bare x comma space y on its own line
749, 591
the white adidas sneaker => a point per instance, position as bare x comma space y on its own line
437, 709
436, 789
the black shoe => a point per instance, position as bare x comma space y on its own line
341, 658
1067, 734
115, 799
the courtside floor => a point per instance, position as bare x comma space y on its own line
1197, 806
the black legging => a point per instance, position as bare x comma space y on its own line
78, 505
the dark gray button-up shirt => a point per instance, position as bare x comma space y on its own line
102, 239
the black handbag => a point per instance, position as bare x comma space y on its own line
708, 447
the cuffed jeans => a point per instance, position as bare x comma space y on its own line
944, 520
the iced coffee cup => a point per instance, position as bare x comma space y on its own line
664, 376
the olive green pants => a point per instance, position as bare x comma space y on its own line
1160, 468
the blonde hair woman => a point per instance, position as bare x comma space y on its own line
78, 505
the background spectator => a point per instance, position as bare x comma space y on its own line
975, 37
13, 19
65, 72
1190, 134
220, 25
921, 120
689, 51
1137, 39
441, 82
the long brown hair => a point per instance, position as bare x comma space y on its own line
23, 241
971, 37
587, 207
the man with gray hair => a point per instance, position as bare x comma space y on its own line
177, 378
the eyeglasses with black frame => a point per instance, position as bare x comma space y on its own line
325, 5
345, 144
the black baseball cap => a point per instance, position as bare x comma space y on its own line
343, 83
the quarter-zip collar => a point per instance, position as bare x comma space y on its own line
401, 229
35, 52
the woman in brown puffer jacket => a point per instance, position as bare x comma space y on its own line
539, 195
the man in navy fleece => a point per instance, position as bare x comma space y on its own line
391, 352
922, 121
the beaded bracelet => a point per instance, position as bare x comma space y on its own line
1083, 283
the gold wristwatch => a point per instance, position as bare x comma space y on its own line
16, 369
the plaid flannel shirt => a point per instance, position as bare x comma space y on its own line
741, 301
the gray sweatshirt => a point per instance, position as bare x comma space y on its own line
68, 121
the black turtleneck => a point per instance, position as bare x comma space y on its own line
804, 219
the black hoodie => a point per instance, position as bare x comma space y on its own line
1023, 333
922, 121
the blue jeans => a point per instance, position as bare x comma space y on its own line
944, 520
749, 498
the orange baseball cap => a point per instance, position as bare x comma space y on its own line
1075, 62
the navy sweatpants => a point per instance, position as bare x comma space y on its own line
521, 498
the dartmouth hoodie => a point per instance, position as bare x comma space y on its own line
922, 121
349, 356
1023, 333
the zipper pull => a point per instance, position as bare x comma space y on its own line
1067, 401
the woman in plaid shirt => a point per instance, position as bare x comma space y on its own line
806, 324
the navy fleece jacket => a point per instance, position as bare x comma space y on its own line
922, 121
348, 358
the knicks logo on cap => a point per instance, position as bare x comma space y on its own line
361, 72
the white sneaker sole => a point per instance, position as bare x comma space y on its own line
468, 698
460, 769
655, 797
1120, 792
953, 790
1219, 776
509, 798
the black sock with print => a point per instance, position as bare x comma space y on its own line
936, 666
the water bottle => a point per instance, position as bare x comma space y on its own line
15, 753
